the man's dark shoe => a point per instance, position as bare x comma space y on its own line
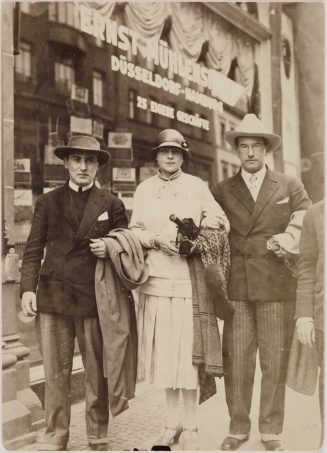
98, 447
232, 444
273, 445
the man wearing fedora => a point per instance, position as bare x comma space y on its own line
265, 210
61, 293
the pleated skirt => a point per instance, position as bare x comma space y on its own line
165, 342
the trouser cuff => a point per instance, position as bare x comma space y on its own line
98, 440
238, 436
267, 437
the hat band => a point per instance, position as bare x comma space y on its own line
174, 144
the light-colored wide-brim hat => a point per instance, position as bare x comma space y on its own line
170, 138
251, 126
83, 143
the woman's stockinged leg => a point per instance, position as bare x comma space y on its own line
173, 428
172, 396
190, 431
190, 404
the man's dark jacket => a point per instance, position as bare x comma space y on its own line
255, 272
65, 282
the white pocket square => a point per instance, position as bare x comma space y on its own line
284, 200
103, 216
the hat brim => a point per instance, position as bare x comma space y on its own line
63, 151
186, 152
274, 141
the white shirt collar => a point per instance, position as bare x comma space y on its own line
259, 174
75, 187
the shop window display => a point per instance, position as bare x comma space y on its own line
64, 75
23, 61
97, 88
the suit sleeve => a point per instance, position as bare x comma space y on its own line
34, 248
309, 253
118, 215
211, 208
299, 202
216, 192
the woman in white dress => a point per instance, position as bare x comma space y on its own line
165, 317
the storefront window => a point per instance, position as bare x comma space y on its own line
64, 12
131, 104
222, 134
64, 75
23, 61
97, 88
25, 7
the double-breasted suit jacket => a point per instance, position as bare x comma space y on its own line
65, 282
256, 273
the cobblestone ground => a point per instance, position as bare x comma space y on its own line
141, 425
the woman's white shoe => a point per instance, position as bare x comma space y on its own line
170, 436
190, 439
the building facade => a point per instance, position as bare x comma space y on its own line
134, 69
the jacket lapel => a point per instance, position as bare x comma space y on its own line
65, 203
241, 192
268, 188
93, 207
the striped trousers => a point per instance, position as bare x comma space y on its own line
266, 326
56, 335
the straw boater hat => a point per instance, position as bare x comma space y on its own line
251, 126
83, 143
173, 139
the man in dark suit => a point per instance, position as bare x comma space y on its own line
61, 293
265, 210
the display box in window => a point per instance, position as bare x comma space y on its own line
123, 174
23, 205
22, 165
22, 172
81, 125
120, 145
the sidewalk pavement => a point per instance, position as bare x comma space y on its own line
141, 425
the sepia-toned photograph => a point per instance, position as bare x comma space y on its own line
162, 208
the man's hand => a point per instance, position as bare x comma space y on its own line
274, 246
166, 245
98, 248
29, 303
305, 332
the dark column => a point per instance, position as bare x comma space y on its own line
21, 408
275, 26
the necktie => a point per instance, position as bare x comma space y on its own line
254, 186
253, 181
80, 190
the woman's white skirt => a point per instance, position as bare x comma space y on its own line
165, 342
